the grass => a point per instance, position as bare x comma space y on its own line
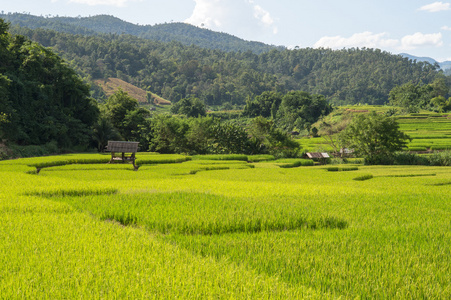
206, 228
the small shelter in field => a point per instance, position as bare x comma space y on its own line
122, 152
321, 157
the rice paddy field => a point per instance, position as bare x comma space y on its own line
429, 131
221, 227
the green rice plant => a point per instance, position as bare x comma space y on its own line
260, 158
241, 157
195, 213
363, 177
411, 175
343, 169
294, 163
441, 147
416, 148
224, 233
157, 159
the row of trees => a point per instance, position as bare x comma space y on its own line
413, 97
191, 132
295, 109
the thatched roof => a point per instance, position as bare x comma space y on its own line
317, 155
120, 146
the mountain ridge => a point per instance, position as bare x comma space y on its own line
184, 33
444, 65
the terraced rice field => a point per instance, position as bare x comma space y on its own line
429, 132
184, 227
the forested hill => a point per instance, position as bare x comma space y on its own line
181, 32
175, 71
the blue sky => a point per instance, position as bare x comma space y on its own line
418, 27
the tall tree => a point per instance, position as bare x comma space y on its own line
373, 136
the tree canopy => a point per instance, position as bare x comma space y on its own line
374, 136
177, 71
41, 98
413, 97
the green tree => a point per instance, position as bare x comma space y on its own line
300, 108
44, 100
440, 104
118, 106
169, 134
375, 137
420, 96
271, 139
191, 107
104, 131
265, 105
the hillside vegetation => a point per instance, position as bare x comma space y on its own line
181, 32
176, 71
42, 100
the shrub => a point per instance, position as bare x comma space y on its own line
405, 158
440, 158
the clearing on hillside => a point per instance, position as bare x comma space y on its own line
111, 85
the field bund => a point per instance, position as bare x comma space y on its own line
185, 227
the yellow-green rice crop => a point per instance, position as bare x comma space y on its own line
221, 229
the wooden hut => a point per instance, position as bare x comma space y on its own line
321, 157
123, 152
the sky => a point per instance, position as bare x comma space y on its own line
417, 27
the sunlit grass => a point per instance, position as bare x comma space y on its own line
223, 229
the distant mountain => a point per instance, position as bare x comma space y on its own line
184, 33
443, 65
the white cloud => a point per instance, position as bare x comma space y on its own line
446, 28
118, 3
263, 16
421, 40
208, 13
436, 7
234, 16
379, 40
364, 39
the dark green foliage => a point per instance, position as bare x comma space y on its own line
181, 32
363, 177
265, 105
206, 135
104, 131
42, 99
440, 158
375, 137
175, 71
413, 97
272, 140
191, 107
169, 135
298, 109
129, 121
